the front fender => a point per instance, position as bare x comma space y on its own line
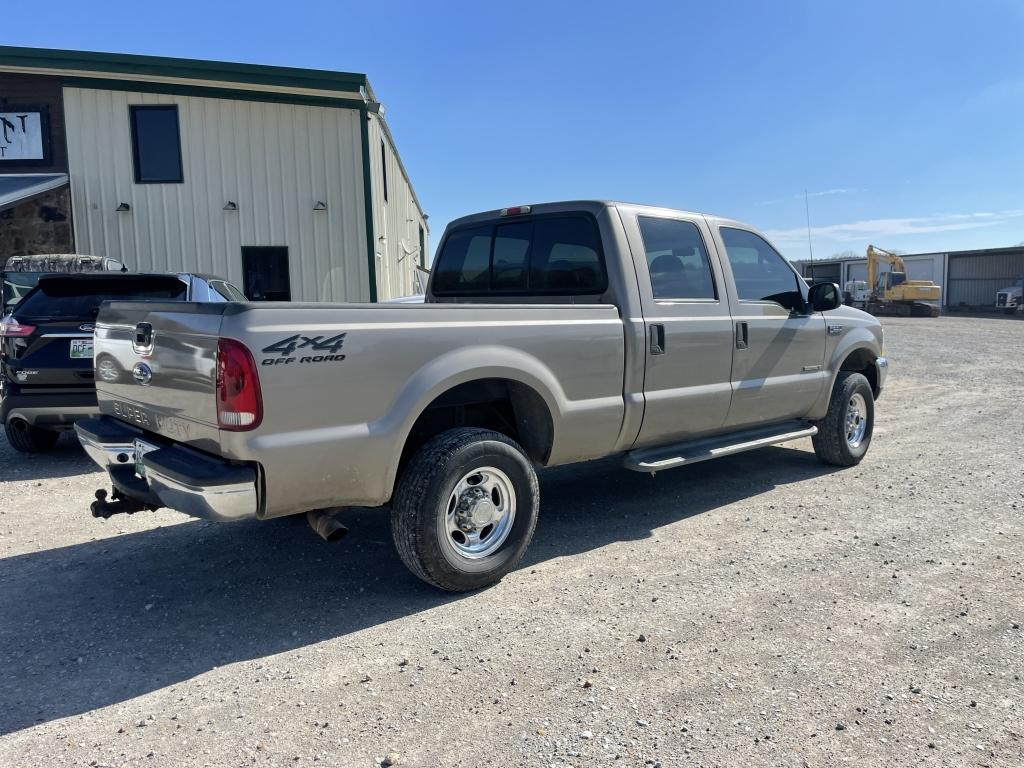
857, 339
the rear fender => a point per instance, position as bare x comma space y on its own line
462, 366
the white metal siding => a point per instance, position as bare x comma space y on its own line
923, 267
397, 221
275, 161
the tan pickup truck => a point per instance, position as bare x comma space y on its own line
550, 334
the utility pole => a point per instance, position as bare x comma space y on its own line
807, 209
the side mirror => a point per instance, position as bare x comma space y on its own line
824, 296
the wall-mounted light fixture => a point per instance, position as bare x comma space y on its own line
123, 208
230, 205
320, 206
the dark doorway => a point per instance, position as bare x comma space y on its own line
265, 273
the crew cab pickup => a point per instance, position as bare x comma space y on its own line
549, 334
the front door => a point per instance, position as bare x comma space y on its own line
689, 330
779, 350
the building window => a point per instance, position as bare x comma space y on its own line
265, 273
156, 144
384, 168
423, 247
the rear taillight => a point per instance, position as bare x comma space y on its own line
239, 402
11, 327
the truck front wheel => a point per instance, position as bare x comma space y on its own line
845, 433
464, 509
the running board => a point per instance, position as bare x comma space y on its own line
694, 451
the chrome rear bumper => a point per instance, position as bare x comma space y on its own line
173, 476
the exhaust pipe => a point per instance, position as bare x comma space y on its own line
326, 525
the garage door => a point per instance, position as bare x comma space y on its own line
822, 273
974, 280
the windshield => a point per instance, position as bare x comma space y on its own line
81, 298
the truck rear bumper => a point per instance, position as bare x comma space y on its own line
172, 476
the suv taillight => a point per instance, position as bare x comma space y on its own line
11, 327
239, 401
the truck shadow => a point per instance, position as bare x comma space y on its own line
98, 623
67, 459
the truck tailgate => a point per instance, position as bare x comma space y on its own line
156, 368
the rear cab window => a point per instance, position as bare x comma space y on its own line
552, 254
81, 298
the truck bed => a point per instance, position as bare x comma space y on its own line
343, 385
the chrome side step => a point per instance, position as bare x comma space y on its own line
669, 457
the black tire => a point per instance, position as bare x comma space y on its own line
831, 444
419, 509
28, 439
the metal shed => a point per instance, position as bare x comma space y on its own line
285, 181
973, 277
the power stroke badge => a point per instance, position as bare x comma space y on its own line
323, 350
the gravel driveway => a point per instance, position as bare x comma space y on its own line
761, 610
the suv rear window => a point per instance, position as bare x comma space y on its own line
71, 297
557, 255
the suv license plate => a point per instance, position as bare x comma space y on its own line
141, 449
81, 349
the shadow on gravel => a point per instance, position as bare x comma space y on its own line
95, 624
67, 459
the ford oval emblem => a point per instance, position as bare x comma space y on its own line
142, 374
87, 327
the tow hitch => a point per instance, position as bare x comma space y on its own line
120, 505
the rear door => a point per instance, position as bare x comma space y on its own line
779, 349
689, 329
54, 348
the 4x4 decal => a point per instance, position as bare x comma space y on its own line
327, 347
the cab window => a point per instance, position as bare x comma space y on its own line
677, 260
760, 273
555, 255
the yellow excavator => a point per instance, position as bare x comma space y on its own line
891, 293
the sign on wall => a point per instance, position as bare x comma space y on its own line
23, 135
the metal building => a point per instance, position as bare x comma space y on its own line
285, 181
974, 277
969, 279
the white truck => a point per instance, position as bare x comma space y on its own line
1011, 298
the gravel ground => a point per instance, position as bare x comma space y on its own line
761, 610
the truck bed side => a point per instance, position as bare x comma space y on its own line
343, 386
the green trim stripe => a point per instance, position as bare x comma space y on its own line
175, 89
193, 69
371, 242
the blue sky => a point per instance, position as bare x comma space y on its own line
904, 121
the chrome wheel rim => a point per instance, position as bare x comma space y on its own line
479, 513
856, 420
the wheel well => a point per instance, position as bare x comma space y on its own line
863, 361
506, 406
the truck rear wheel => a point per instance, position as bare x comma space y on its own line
844, 435
25, 438
465, 509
